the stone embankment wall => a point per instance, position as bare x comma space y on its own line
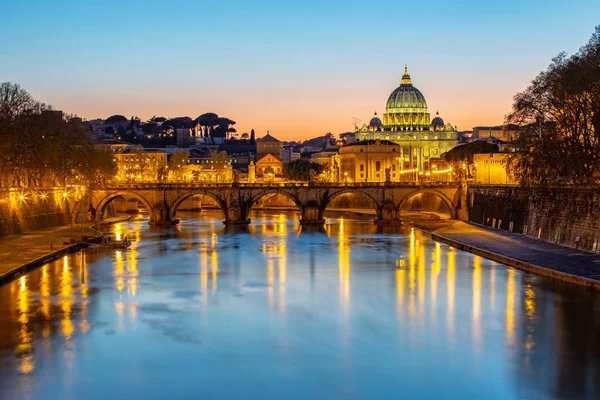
19, 215
567, 216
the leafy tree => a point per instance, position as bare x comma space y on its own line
252, 137
560, 118
299, 170
245, 136
177, 162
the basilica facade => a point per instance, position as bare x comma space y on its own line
407, 122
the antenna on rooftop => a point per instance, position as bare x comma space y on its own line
355, 121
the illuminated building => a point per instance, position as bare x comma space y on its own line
214, 167
269, 167
139, 164
268, 145
368, 160
492, 168
407, 122
268, 153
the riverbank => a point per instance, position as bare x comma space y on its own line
562, 263
20, 254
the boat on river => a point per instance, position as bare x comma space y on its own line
116, 243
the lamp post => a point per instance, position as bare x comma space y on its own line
345, 177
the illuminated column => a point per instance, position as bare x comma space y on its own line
251, 172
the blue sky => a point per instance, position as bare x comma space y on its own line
299, 69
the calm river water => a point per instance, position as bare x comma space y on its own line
353, 311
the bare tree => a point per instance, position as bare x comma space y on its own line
560, 118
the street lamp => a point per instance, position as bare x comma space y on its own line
345, 176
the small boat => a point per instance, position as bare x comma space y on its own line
120, 243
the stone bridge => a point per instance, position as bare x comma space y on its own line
163, 199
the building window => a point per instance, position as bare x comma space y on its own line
361, 150
393, 167
362, 175
377, 166
362, 167
393, 150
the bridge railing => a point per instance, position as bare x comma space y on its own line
198, 185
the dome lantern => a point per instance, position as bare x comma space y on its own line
405, 77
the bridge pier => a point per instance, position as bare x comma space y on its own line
312, 215
235, 216
161, 216
389, 214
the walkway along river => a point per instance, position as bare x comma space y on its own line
353, 311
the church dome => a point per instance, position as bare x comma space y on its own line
437, 121
375, 122
406, 96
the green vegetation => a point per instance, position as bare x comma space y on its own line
299, 170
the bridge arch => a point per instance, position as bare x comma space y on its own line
179, 200
449, 203
361, 193
102, 204
255, 197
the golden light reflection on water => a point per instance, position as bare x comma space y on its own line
119, 271
66, 300
24, 348
510, 306
421, 278
412, 261
132, 272
58, 287
436, 267
451, 285
477, 300
84, 325
45, 300
203, 276
400, 288
274, 250
344, 267
529, 327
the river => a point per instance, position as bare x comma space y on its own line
350, 311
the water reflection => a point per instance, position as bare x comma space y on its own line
352, 304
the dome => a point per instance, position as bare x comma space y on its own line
406, 95
375, 122
437, 121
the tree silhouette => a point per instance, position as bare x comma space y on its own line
207, 122
559, 115
116, 119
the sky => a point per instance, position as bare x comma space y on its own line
298, 69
